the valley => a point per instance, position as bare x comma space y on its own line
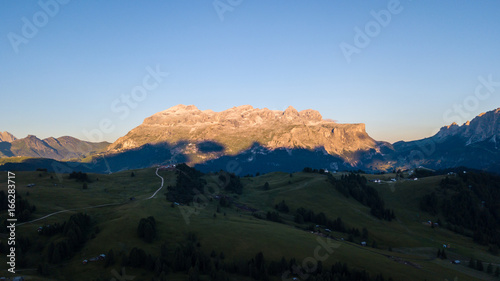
403, 248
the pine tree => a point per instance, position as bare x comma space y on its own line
472, 263
479, 265
110, 258
489, 269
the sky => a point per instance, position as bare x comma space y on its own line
96, 69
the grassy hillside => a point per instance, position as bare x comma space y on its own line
236, 232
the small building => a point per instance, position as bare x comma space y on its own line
363, 243
31, 185
85, 261
19, 278
328, 230
456, 262
40, 228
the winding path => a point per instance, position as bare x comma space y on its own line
161, 186
98, 206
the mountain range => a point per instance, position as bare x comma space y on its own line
63, 148
250, 140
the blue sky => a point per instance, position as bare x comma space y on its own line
418, 71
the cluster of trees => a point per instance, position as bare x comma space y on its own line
273, 216
75, 233
305, 215
356, 186
190, 259
478, 265
189, 182
52, 229
23, 209
79, 176
231, 182
282, 207
469, 201
441, 254
147, 229
311, 170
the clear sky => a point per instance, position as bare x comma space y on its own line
404, 68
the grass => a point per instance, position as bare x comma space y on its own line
240, 235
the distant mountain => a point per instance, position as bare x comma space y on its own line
249, 140
63, 148
473, 144
207, 135
7, 137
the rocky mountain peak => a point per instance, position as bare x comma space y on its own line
238, 128
484, 126
7, 137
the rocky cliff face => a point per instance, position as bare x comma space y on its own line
7, 137
485, 126
238, 128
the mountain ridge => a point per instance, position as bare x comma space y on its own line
273, 140
238, 128
62, 148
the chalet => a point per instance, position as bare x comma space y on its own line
363, 243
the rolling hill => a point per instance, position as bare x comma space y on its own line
403, 249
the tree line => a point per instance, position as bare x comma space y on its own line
470, 202
356, 186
